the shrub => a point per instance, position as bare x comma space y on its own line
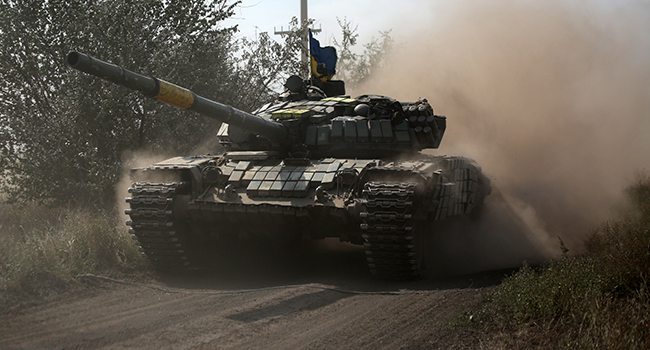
43, 248
598, 300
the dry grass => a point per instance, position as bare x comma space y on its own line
598, 300
43, 248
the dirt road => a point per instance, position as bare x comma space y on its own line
136, 318
320, 298
263, 312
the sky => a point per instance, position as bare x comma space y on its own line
371, 16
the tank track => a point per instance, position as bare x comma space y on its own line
388, 230
161, 239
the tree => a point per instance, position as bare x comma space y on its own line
265, 65
355, 68
347, 59
62, 133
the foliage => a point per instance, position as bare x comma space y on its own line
595, 300
62, 133
355, 68
266, 64
43, 248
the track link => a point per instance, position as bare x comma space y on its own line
388, 230
161, 239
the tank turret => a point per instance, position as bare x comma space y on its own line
306, 121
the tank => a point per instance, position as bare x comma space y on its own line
314, 164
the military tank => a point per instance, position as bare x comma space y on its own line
313, 164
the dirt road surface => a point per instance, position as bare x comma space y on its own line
320, 298
265, 312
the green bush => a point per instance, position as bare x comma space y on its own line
43, 248
598, 300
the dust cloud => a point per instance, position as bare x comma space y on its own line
551, 98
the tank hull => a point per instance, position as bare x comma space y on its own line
180, 205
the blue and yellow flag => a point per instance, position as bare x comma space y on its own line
322, 56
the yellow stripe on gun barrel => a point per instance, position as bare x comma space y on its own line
175, 95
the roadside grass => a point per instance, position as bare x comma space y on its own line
42, 248
598, 300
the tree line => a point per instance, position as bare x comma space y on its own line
63, 134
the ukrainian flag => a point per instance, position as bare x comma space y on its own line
323, 57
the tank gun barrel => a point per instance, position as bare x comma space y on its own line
179, 97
